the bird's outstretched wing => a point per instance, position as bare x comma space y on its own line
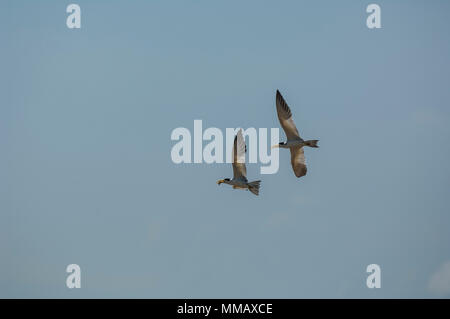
285, 118
298, 161
239, 149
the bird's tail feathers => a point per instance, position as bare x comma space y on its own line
312, 143
254, 187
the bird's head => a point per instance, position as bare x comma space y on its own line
223, 181
278, 145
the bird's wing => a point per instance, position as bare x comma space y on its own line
239, 149
285, 118
298, 161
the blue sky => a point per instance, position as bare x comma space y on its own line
86, 175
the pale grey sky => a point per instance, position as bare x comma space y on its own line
86, 175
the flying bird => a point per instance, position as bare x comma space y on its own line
294, 142
239, 180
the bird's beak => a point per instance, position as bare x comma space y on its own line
220, 181
275, 146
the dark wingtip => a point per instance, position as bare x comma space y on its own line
279, 96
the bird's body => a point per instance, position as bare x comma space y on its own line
239, 180
294, 142
236, 183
